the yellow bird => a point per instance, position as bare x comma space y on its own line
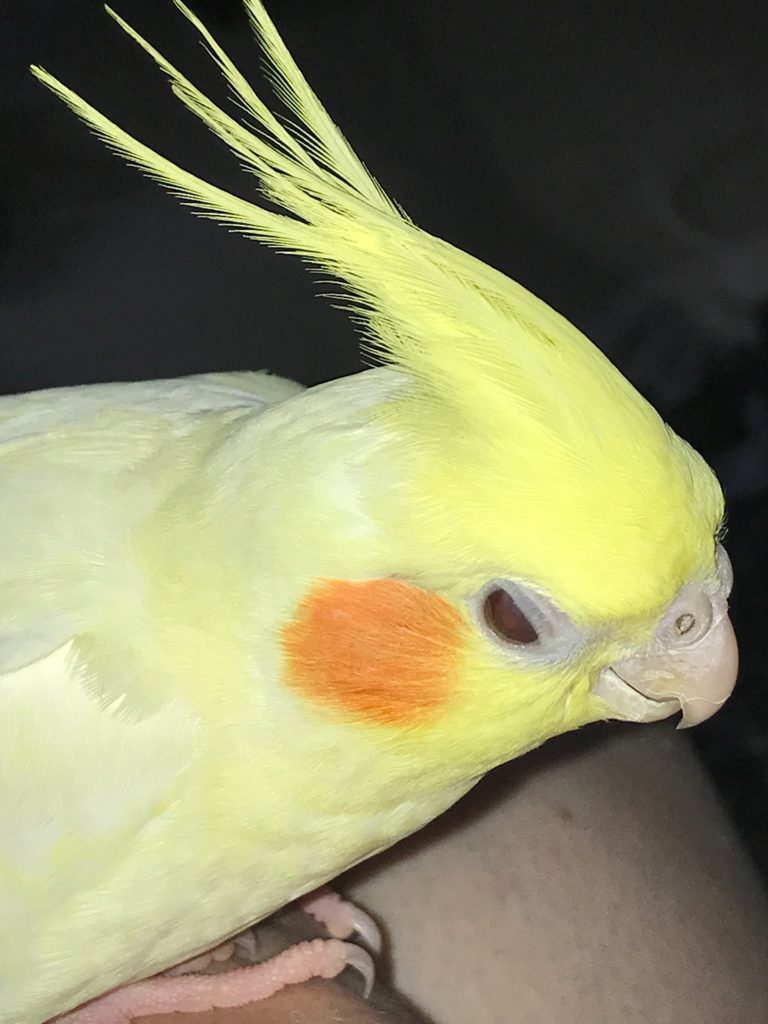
252, 634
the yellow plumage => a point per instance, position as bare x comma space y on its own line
171, 768
487, 357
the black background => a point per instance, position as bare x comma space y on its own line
612, 157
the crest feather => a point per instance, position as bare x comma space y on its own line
515, 415
461, 328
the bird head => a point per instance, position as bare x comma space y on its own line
546, 550
543, 550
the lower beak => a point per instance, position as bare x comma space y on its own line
696, 680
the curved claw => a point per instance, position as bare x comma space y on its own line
245, 943
366, 928
341, 918
362, 961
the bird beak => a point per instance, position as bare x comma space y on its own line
695, 679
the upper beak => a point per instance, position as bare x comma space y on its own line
696, 680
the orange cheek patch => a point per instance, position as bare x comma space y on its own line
382, 650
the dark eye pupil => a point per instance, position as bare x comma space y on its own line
505, 619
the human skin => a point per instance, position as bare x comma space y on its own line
595, 881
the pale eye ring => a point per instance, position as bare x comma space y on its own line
524, 623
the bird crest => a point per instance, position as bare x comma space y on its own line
517, 414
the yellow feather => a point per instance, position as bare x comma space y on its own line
523, 395
171, 530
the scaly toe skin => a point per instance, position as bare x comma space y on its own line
194, 993
341, 918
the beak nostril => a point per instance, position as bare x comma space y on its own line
688, 620
684, 623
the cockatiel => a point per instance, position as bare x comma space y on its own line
252, 634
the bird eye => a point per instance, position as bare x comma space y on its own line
507, 620
524, 623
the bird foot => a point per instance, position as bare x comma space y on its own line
194, 993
